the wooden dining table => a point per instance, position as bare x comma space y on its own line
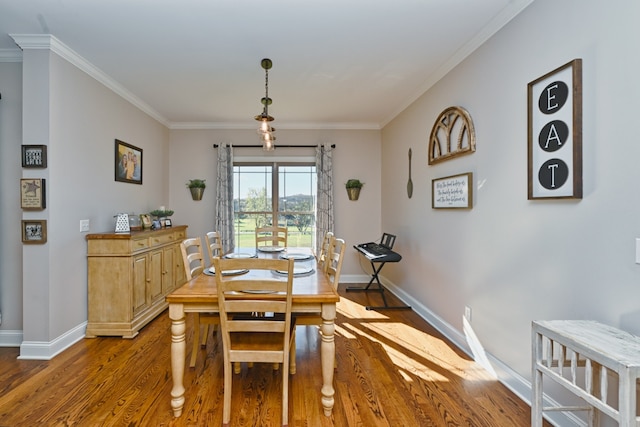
312, 293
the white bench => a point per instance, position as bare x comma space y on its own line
585, 357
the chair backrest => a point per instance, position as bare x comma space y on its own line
214, 245
249, 294
334, 260
324, 250
271, 236
192, 257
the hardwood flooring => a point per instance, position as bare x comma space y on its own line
393, 369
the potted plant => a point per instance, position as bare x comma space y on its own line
161, 215
353, 187
196, 186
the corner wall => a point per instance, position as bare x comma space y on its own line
510, 259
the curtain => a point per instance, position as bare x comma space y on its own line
324, 207
224, 199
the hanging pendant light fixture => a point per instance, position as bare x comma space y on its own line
265, 130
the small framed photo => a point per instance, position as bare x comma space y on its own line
452, 192
155, 225
145, 219
34, 231
167, 222
34, 156
32, 194
128, 163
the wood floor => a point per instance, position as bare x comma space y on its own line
393, 369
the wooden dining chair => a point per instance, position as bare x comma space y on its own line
333, 261
214, 245
255, 339
193, 260
324, 250
271, 236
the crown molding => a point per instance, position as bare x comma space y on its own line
10, 55
50, 42
279, 126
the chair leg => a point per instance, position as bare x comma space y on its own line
292, 354
205, 336
226, 399
196, 339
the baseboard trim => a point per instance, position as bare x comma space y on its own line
42, 350
10, 338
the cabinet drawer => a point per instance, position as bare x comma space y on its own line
162, 239
180, 235
137, 244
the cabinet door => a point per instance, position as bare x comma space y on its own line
155, 275
181, 275
168, 269
139, 291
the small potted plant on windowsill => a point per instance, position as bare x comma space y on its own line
353, 187
196, 186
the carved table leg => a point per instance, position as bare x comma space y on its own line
328, 355
178, 347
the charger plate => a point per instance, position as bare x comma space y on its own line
297, 271
296, 256
240, 255
271, 248
212, 271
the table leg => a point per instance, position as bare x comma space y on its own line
328, 356
178, 352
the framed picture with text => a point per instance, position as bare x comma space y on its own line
32, 194
555, 134
452, 192
34, 156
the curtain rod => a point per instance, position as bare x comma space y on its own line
276, 146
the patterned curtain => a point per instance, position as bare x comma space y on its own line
224, 200
324, 208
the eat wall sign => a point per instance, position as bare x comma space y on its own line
555, 134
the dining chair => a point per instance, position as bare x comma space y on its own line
193, 259
324, 250
214, 245
265, 339
333, 261
271, 236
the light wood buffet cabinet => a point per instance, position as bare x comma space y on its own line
129, 275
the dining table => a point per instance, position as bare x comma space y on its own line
312, 293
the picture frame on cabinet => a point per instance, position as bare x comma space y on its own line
554, 127
34, 231
146, 221
33, 194
34, 156
128, 163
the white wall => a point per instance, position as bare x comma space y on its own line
357, 155
79, 119
10, 213
512, 260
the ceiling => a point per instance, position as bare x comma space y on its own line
343, 64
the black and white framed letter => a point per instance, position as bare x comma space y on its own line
555, 134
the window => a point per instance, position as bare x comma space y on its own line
275, 193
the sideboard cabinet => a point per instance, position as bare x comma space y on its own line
129, 275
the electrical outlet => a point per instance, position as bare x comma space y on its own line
84, 225
467, 313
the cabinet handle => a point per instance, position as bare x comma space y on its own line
140, 243
148, 280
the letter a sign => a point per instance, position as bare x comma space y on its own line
555, 134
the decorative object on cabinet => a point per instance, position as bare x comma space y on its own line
452, 192
34, 156
555, 134
129, 276
128, 163
196, 186
33, 194
122, 223
34, 231
452, 135
353, 187
161, 215
146, 221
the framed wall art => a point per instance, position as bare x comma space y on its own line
555, 134
452, 192
34, 156
452, 135
33, 194
34, 231
128, 163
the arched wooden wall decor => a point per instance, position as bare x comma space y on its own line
452, 135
